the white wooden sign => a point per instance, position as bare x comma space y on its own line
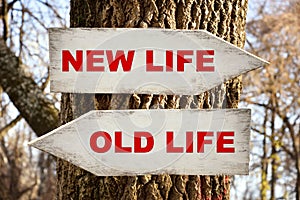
143, 61
131, 142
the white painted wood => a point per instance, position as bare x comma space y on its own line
229, 61
71, 142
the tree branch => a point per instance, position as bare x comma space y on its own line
11, 124
26, 95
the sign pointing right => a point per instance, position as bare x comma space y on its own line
143, 61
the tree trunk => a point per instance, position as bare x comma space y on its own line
224, 18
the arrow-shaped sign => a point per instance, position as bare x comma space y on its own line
131, 142
143, 61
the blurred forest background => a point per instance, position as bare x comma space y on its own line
273, 94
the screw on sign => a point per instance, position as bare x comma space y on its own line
131, 142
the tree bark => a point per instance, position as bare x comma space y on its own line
224, 18
26, 95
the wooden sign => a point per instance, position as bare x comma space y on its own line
143, 61
132, 142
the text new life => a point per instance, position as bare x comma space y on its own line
111, 61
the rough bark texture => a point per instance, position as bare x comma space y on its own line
27, 97
226, 19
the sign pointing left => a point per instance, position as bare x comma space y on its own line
132, 142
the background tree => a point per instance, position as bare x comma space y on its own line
26, 174
225, 19
273, 93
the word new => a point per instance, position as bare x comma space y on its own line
202, 59
222, 142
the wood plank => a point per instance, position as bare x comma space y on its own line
227, 61
75, 142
